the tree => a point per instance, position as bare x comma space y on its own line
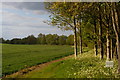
31, 39
62, 40
43, 39
56, 39
50, 39
107, 23
65, 18
39, 38
70, 40
2, 40
100, 31
15, 41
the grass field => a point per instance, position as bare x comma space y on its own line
85, 66
17, 57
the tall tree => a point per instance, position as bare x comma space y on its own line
106, 20
65, 17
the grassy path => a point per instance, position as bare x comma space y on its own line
85, 66
23, 72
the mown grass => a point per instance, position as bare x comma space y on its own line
17, 57
85, 66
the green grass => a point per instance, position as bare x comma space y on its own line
17, 57
85, 66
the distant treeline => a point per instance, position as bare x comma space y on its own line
50, 39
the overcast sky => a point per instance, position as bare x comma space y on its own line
20, 19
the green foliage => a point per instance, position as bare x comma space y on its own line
31, 39
41, 39
52, 39
17, 57
70, 40
62, 40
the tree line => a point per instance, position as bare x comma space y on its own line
50, 39
95, 22
42, 39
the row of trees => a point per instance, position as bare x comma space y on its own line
42, 39
98, 23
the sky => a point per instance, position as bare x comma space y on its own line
20, 19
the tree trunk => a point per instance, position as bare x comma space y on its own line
95, 42
100, 35
108, 46
111, 48
118, 51
80, 38
117, 18
95, 48
115, 52
100, 43
75, 39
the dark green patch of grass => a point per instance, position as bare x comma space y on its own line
17, 57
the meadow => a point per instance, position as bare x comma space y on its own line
17, 57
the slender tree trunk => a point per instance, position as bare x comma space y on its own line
117, 18
101, 43
108, 46
108, 39
100, 35
80, 38
75, 39
95, 42
95, 48
111, 48
118, 51
115, 52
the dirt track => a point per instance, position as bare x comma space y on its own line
40, 66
